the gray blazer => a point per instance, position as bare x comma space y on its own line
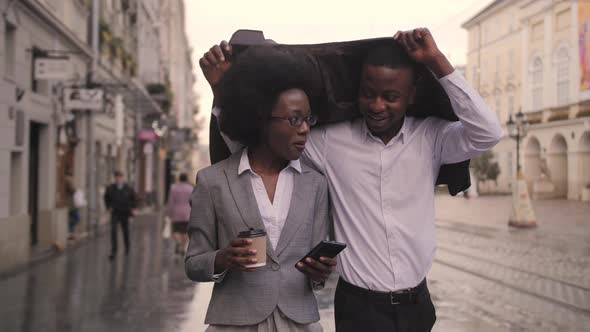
223, 204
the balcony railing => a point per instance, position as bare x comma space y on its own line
534, 117
557, 114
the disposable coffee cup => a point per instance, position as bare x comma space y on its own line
258, 237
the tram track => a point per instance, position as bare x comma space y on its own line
563, 293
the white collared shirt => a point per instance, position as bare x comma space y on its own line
382, 196
274, 214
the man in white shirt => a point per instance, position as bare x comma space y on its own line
381, 171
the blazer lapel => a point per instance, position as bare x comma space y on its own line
243, 195
300, 205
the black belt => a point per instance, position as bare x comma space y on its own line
404, 296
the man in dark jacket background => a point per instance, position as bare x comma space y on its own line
120, 200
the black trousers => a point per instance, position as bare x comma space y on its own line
358, 311
123, 220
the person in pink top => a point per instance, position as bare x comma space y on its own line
178, 210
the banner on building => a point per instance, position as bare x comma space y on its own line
584, 44
58, 68
119, 108
83, 99
148, 135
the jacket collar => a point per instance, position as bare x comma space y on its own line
245, 166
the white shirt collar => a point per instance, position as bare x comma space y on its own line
245, 164
366, 133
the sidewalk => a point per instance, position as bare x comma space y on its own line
82, 290
39, 256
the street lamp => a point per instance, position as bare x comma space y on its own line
517, 130
522, 215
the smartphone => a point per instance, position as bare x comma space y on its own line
324, 249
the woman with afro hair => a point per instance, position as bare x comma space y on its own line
266, 104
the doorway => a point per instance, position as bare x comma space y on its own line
34, 158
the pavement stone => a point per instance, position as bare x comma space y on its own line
486, 277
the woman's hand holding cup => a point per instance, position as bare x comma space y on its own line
235, 256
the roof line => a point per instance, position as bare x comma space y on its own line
481, 13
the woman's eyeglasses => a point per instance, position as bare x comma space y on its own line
297, 121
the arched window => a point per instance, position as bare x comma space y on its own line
510, 104
537, 84
562, 76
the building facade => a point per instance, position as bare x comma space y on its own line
33, 215
528, 55
176, 59
44, 142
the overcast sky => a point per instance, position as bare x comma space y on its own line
318, 21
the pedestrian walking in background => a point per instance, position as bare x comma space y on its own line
178, 209
73, 211
120, 200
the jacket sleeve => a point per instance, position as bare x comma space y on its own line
314, 154
202, 229
232, 145
477, 130
107, 197
132, 198
321, 222
218, 150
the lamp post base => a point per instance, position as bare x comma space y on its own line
522, 224
522, 215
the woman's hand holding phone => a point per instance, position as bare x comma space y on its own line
317, 270
320, 261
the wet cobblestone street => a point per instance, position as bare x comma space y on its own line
486, 277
